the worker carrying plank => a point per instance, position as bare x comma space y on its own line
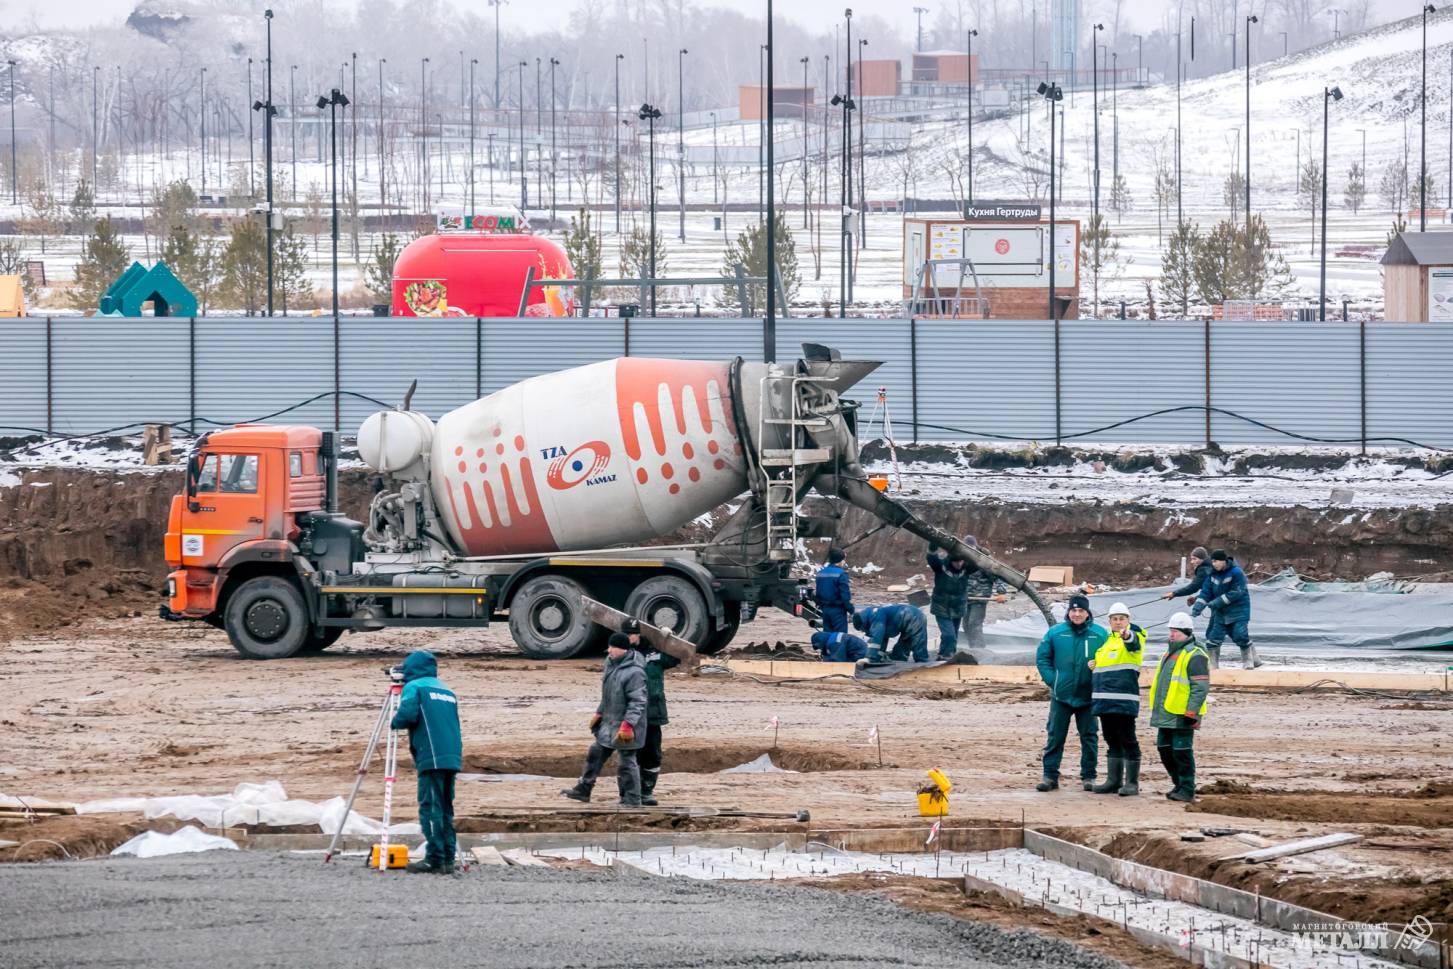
619, 723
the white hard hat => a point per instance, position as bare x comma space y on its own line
1119, 609
1181, 620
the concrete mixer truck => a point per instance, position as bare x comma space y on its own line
517, 505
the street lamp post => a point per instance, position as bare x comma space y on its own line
496, 4
1052, 94
424, 127
268, 111
1095, 105
14, 170
202, 121
1423, 144
554, 160
336, 99
524, 173
251, 161
1328, 96
969, 73
1249, 21
490, 137
681, 140
95, 124
715, 181
919, 12
804, 61
769, 326
649, 114
617, 127
293, 124
382, 172
845, 249
472, 62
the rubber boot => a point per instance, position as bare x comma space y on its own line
1215, 653
1167, 758
1131, 787
1186, 768
1114, 776
648, 784
1047, 783
1248, 657
580, 792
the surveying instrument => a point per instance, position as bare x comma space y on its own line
384, 856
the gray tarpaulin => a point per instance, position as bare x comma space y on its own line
1311, 619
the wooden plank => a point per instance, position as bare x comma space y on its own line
663, 639
521, 858
1295, 848
488, 855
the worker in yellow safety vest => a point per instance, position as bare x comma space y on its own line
1178, 704
1115, 699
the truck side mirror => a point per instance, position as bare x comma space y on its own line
194, 471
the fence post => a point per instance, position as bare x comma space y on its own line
478, 357
913, 370
49, 378
192, 375
1362, 377
1206, 344
1057, 424
337, 378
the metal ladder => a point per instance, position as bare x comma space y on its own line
780, 465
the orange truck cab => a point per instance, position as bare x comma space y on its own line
255, 520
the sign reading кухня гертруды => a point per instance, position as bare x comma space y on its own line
1002, 211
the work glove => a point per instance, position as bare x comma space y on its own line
595, 722
1001, 597
1190, 600
626, 734
1169, 595
1194, 719
1198, 608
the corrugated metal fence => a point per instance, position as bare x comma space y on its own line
1084, 381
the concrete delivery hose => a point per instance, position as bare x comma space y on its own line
852, 486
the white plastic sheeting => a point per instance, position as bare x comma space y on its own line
761, 765
264, 804
154, 844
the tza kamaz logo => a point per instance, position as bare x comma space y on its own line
585, 463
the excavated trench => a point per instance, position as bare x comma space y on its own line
93, 538
687, 757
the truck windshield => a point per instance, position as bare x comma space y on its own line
238, 474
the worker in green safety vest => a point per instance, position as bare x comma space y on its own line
1178, 704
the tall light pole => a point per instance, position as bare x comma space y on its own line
202, 121
1328, 96
496, 4
1249, 21
1095, 104
382, 171
336, 99
251, 162
14, 170
969, 73
1423, 125
848, 167
769, 326
715, 184
681, 140
524, 173
554, 160
95, 125
1051, 93
649, 114
293, 123
919, 12
472, 62
269, 110
804, 61
424, 128
617, 127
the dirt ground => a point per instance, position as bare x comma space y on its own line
134, 706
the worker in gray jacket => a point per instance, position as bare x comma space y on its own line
619, 724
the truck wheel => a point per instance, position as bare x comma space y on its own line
266, 618
547, 620
721, 638
316, 644
671, 602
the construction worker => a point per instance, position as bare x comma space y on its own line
657, 663
983, 588
1224, 592
1115, 699
901, 622
1200, 561
619, 723
834, 592
950, 596
1063, 660
1178, 705
429, 711
839, 647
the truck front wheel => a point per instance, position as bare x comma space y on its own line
266, 618
671, 602
547, 618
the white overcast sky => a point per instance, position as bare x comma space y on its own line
534, 15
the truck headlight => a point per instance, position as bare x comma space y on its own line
171, 588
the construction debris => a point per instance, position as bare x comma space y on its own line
1296, 848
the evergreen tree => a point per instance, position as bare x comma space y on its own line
1264, 270
44, 215
582, 247
1416, 196
313, 218
12, 263
83, 206
196, 261
291, 286
1099, 255
1165, 194
1121, 201
244, 265
104, 257
1393, 186
1356, 191
378, 272
1399, 226
172, 207
1177, 266
636, 253
1217, 264
1233, 192
1309, 186
750, 251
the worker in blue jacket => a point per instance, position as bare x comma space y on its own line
1063, 660
839, 647
834, 592
903, 623
429, 711
1224, 592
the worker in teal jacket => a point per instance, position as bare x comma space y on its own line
429, 711
1063, 659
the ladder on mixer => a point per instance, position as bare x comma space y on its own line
780, 465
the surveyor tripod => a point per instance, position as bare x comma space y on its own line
390, 767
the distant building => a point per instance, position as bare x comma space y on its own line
789, 101
1418, 278
945, 67
877, 78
